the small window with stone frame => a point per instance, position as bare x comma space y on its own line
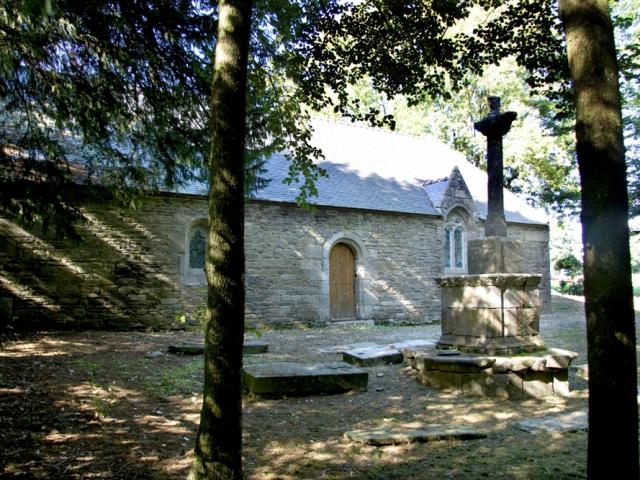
455, 245
195, 254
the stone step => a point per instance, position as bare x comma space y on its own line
426, 433
297, 379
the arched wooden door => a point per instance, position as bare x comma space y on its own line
342, 282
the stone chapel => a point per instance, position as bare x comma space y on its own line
394, 213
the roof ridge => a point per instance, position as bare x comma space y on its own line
364, 126
437, 180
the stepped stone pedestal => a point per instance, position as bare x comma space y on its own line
492, 313
513, 377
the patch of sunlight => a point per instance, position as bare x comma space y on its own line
30, 349
86, 458
505, 415
471, 418
57, 437
316, 236
121, 243
14, 390
26, 293
39, 247
396, 295
322, 457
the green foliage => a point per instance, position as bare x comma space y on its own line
568, 264
626, 20
115, 93
180, 380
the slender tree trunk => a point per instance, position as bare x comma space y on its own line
613, 409
218, 452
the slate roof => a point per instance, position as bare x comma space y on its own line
435, 190
375, 169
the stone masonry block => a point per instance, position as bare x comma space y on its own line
537, 384
447, 381
495, 255
488, 296
505, 385
522, 297
473, 322
521, 322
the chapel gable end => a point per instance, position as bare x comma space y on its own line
456, 194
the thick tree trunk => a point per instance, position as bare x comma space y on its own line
613, 409
218, 452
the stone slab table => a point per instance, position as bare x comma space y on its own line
369, 357
295, 379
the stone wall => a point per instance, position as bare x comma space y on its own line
287, 248
129, 271
125, 273
287, 262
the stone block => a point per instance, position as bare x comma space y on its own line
495, 255
521, 297
559, 359
472, 296
447, 381
459, 363
537, 384
424, 433
503, 385
577, 421
292, 379
561, 383
521, 322
473, 322
369, 357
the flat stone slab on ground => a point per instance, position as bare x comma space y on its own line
349, 346
425, 433
368, 357
198, 349
364, 324
298, 379
567, 422
411, 344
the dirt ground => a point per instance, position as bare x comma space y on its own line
117, 405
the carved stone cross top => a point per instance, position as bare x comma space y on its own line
494, 126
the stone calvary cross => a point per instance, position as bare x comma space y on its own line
495, 126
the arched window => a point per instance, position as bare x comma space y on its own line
455, 245
195, 253
197, 247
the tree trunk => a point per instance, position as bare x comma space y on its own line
613, 409
218, 452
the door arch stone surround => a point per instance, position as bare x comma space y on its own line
365, 298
